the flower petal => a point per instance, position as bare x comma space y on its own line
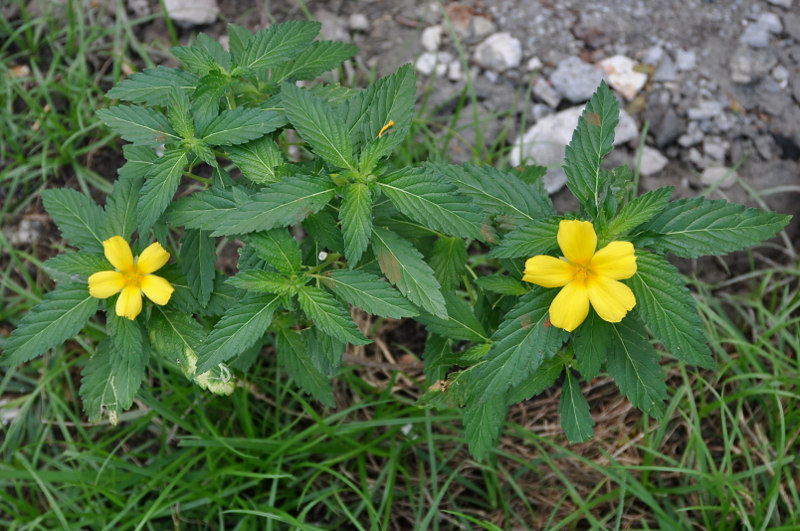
152, 259
616, 260
548, 271
577, 240
129, 303
570, 307
157, 289
104, 284
119, 253
610, 298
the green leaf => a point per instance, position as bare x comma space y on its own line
322, 228
449, 261
206, 98
278, 205
76, 266
404, 267
532, 238
126, 335
483, 422
638, 211
295, 357
502, 284
238, 38
213, 47
159, 188
665, 304
325, 351
153, 86
241, 125
277, 44
258, 160
319, 125
633, 363
122, 204
542, 378
330, 315
437, 353
431, 201
696, 227
81, 221
520, 345
198, 256
61, 314
370, 293
461, 323
261, 281
179, 115
591, 142
356, 217
592, 340
240, 327
195, 59
176, 336
202, 209
319, 57
110, 380
138, 125
279, 248
576, 420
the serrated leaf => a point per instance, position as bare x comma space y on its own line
325, 351
238, 38
592, 340
261, 281
241, 125
295, 358
322, 228
573, 408
356, 217
213, 47
138, 161
449, 261
520, 345
638, 211
696, 227
534, 237
277, 44
61, 314
431, 201
240, 327
330, 315
198, 256
76, 266
258, 159
202, 209
460, 325
665, 304
633, 363
110, 380
176, 336
542, 378
404, 267
502, 284
126, 335
592, 140
483, 422
152, 86
179, 115
195, 59
370, 293
81, 221
437, 352
159, 188
319, 125
121, 205
206, 98
279, 248
138, 125
278, 205
319, 57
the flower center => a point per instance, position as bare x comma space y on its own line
582, 274
133, 277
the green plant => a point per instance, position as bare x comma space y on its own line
342, 225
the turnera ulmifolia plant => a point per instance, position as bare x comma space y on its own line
472, 252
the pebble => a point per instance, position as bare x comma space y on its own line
667, 70
28, 231
545, 93
747, 65
454, 71
431, 38
428, 62
771, 22
719, 175
686, 60
755, 36
715, 148
781, 75
692, 136
705, 110
653, 55
576, 80
188, 13
358, 22
622, 77
533, 64
333, 28
786, 4
479, 29
652, 161
140, 8
499, 52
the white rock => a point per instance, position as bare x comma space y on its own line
534, 63
622, 77
499, 52
480, 27
786, 4
705, 110
652, 161
771, 22
187, 13
755, 36
544, 92
725, 177
715, 148
576, 80
426, 63
686, 60
431, 37
454, 71
545, 142
667, 70
653, 55
358, 22
333, 27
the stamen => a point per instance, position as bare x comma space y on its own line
385, 127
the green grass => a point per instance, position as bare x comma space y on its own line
269, 458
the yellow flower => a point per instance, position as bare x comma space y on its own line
586, 276
131, 277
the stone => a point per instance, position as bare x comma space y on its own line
666, 71
781, 75
748, 65
545, 142
333, 27
140, 8
431, 38
540, 110
715, 149
651, 161
460, 16
696, 158
534, 64
358, 22
685, 59
499, 52
429, 62
755, 36
719, 176
545, 93
576, 80
454, 71
771, 22
786, 4
766, 147
667, 128
791, 25
188, 13
597, 29
705, 110
653, 55
622, 77
27, 232
479, 28
692, 136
